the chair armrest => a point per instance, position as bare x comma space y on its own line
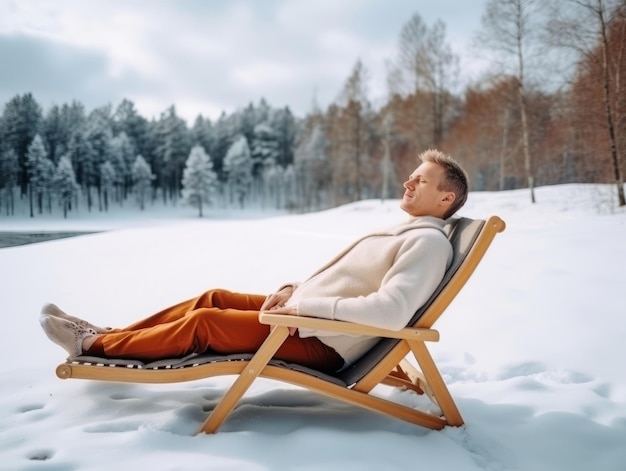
349, 328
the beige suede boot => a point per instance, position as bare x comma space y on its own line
54, 311
66, 334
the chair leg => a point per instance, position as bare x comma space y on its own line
406, 376
228, 402
436, 383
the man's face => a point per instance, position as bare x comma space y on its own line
421, 196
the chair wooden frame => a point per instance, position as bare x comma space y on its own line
393, 370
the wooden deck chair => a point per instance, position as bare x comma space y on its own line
386, 363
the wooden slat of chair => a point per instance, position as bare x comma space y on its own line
405, 375
436, 384
252, 370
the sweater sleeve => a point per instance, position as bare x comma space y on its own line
417, 270
293, 284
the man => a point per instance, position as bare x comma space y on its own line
379, 280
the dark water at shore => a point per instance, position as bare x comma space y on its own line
12, 239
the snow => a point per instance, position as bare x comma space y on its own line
532, 349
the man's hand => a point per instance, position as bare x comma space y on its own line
278, 299
275, 302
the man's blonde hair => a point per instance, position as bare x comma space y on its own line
455, 178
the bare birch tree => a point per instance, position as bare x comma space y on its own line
506, 30
386, 165
584, 25
355, 107
427, 69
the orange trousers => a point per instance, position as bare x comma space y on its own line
217, 321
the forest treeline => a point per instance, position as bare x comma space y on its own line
551, 110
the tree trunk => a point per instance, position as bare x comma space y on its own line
608, 109
523, 113
386, 158
357, 155
30, 196
505, 144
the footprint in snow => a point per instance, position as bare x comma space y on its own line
40, 455
30, 407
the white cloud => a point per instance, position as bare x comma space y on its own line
263, 72
212, 56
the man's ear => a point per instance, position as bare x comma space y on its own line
448, 198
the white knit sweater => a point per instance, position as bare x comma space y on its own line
379, 280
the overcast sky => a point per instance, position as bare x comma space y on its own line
209, 56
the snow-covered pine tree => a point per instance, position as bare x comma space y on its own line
265, 151
21, 122
225, 132
142, 178
266, 172
53, 133
122, 158
39, 174
98, 134
313, 168
66, 185
9, 170
238, 168
202, 133
79, 152
199, 179
173, 144
286, 128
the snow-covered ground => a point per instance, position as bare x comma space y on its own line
532, 349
